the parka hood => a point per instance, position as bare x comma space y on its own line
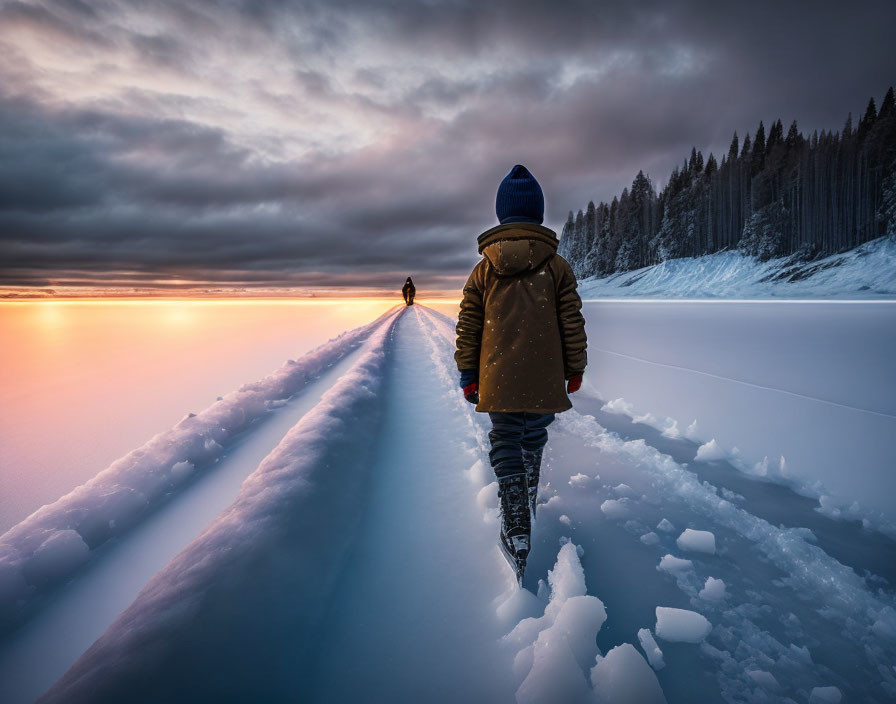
515, 247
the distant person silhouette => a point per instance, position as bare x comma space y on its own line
408, 291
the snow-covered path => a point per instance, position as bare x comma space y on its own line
359, 563
411, 618
34, 656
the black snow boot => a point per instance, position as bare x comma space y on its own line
532, 463
516, 524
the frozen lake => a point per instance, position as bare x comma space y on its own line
85, 382
317, 519
82, 383
810, 381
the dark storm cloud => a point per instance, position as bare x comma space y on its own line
270, 143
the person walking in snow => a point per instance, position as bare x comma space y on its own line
408, 291
521, 348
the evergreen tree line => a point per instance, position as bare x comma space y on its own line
771, 196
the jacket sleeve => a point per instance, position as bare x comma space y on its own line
470, 322
572, 323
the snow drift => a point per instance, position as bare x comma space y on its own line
868, 271
48, 546
222, 598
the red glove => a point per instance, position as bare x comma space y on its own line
471, 392
574, 384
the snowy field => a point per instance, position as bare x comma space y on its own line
344, 550
868, 271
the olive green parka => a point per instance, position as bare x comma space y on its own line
520, 323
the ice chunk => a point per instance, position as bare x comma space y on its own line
697, 541
624, 677
731, 495
579, 620
764, 679
710, 451
885, 623
553, 651
58, 555
681, 625
665, 525
624, 490
564, 539
555, 502
825, 695
713, 590
614, 508
579, 480
650, 538
651, 649
554, 675
801, 653
670, 563
567, 579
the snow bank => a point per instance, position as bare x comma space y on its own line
232, 595
869, 271
681, 625
49, 545
58, 555
697, 541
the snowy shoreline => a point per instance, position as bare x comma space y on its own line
866, 273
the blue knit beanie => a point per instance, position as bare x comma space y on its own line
519, 198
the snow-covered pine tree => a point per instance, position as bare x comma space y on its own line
769, 196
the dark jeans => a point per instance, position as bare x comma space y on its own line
511, 433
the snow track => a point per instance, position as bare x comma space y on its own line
250, 590
54, 542
72, 618
359, 563
422, 572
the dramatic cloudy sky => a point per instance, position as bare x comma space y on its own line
351, 142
